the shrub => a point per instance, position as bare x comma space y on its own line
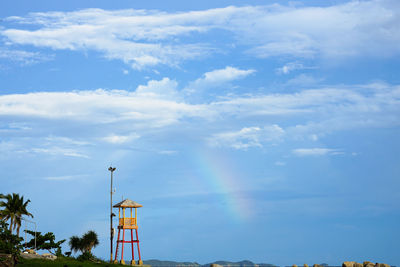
9, 244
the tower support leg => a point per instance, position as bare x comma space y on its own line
122, 251
133, 255
137, 239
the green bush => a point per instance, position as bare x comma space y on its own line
9, 244
63, 262
45, 242
86, 256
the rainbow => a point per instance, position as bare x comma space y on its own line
219, 176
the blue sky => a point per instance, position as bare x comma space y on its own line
260, 130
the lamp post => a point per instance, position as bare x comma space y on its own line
111, 169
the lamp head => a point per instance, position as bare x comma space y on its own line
111, 169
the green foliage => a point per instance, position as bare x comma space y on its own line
89, 241
9, 243
45, 242
86, 256
13, 208
84, 244
68, 262
75, 243
59, 252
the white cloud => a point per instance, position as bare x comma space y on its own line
289, 67
158, 104
15, 126
303, 80
57, 151
358, 107
143, 38
121, 139
165, 89
243, 139
65, 141
218, 77
333, 31
26, 144
65, 177
24, 57
316, 151
317, 112
328, 102
292, 66
19, 126
225, 75
133, 36
248, 137
146, 106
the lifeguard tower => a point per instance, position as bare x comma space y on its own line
127, 223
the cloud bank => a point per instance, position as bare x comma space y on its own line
144, 38
309, 114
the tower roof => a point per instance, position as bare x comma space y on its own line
127, 203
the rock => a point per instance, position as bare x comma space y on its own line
358, 264
348, 264
316, 265
305, 265
49, 256
368, 264
215, 265
30, 256
294, 265
382, 265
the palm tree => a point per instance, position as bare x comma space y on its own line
22, 211
14, 208
9, 212
75, 243
89, 241
85, 243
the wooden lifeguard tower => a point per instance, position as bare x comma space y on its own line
127, 223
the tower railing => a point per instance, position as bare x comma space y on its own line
127, 221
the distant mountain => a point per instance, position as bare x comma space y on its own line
158, 263
245, 263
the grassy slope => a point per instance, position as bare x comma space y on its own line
65, 262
